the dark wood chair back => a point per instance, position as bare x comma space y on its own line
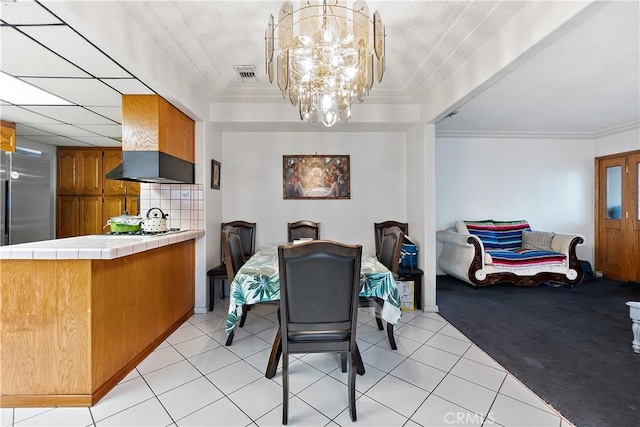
303, 229
319, 286
379, 227
390, 247
247, 236
232, 248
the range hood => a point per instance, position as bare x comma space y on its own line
157, 142
152, 166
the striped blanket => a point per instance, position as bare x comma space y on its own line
525, 257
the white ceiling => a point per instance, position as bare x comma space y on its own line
585, 82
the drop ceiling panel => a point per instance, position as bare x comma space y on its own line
62, 129
76, 49
56, 140
80, 91
112, 131
100, 141
26, 130
113, 113
22, 12
18, 53
75, 115
129, 86
16, 114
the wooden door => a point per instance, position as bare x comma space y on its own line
67, 172
617, 224
633, 220
91, 172
111, 159
91, 215
67, 216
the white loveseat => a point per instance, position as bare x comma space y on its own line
486, 252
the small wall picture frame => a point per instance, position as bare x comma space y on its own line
215, 174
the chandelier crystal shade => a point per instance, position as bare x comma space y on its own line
324, 55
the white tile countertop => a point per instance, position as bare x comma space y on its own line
100, 246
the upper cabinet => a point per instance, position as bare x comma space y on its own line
150, 123
79, 171
8, 136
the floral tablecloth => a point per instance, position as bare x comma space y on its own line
258, 281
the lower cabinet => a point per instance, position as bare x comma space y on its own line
91, 215
67, 216
81, 215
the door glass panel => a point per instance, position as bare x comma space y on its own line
614, 192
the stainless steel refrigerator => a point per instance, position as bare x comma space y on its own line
25, 196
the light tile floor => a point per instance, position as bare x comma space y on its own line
436, 377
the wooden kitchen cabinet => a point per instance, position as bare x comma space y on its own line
111, 159
7, 136
68, 173
150, 123
79, 171
67, 216
86, 199
91, 215
90, 172
72, 329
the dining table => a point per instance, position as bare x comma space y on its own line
258, 281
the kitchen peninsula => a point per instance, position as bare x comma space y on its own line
78, 314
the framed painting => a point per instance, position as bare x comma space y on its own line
215, 174
316, 176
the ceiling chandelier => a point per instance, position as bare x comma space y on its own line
323, 55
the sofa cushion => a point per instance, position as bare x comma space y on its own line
537, 240
498, 234
525, 258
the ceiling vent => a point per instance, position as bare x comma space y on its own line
247, 73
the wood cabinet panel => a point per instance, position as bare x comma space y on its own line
68, 172
132, 205
91, 215
91, 172
7, 136
150, 123
112, 206
81, 172
111, 159
72, 329
52, 297
67, 216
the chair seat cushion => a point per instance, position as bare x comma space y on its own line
218, 270
525, 257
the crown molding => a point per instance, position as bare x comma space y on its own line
538, 135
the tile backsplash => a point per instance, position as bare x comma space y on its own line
184, 203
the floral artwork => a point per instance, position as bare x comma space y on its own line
316, 177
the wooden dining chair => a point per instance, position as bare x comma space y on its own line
219, 272
389, 256
303, 229
319, 286
378, 229
234, 256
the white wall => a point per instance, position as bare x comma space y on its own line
548, 182
619, 142
252, 183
